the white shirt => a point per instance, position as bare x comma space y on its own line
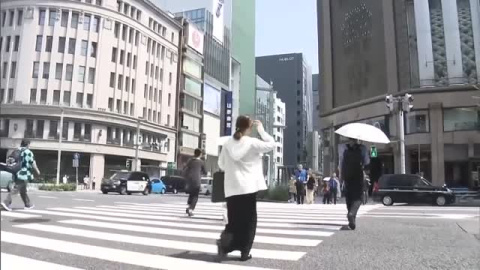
242, 162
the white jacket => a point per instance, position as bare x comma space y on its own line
242, 163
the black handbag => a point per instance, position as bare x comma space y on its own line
218, 187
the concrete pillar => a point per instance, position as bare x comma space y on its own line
408, 161
475, 11
424, 43
452, 41
437, 147
97, 169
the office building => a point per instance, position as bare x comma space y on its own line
427, 48
292, 79
106, 68
316, 96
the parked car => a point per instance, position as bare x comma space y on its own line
125, 182
206, 185
6, 180
158, 186
409, 188
174, 184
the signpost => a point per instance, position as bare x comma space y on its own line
76, 163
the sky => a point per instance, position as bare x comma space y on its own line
287, 26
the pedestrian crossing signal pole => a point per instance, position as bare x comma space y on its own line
398, 106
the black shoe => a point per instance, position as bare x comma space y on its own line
245, 257
221, 254
190, 212
351, 222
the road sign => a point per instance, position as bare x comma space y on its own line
75, 163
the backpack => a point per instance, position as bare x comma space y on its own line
333, 183
15, 159
352, 165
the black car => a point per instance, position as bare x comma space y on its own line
125, 182
409, 188
174, 184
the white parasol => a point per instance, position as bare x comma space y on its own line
363, 132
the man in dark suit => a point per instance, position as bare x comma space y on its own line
193, 172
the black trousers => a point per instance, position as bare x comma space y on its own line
193, 198
300, 192
240, 231
333, 195
20, 186
353, 200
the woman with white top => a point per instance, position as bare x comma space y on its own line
241, 160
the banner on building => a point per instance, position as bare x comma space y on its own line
218, 19
195, 38
212, 99
228, 113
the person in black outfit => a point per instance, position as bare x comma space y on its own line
193, 173
352, 163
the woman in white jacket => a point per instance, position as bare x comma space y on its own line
241, 160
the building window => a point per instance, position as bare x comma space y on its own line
112, 79
129, 59
29, 129
134, 86
4, 70
74, 23
127, 83
96, 23
71, 45
134, 62
147, 65
150, 93
114, 55
43, 96
58, 71
61, 44
417, 122
46, 70
87, 133
12, 17
84, 48
91, 75
81, 74
131, 109
110, 104
124, 32
38, 44
10, 95
137, 37
168, 119
169, 99
125, 107
40, 128
89, 100
77, 131
53, 133
149, 114
116, 29
67, 98
13, 70
48, 47
122, 56
41, 17
80, 100
93, 49
52, 18
20, 17
119, 105
120, 82
86, 22
1, 43
130, 36
193, 87
33, 96
170, 76
7, 46
64, 21
69, 73
16, 43
36, 67
457, 119
56, 97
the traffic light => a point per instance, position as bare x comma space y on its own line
389, 102
407, 103
128, 164
373, 152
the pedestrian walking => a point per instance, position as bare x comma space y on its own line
352, 163
94, 181
86, 182
333, 187
65, 179
326, 192
193, 172
301, 180
310, 188
292, 190
241, 160
25, 174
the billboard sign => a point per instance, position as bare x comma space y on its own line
212, 100
228, 113
218, 19
195, 38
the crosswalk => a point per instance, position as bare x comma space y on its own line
151, 235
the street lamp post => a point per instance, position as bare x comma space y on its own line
400, 105
137, 145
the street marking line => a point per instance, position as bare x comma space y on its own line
47, 197
83, 200
160, 223
194, 234
220, 228
172, 244
202, 214
116, 255
9, 261
18, 215
431, 209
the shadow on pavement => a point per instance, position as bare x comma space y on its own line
201, 257
30, 220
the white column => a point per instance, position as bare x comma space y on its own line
452, 42
97, 167
424, 43
475, 11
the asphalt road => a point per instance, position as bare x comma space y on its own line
86, 230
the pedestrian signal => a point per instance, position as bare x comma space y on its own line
373, 152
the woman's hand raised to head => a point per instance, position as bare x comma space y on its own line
259, 125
